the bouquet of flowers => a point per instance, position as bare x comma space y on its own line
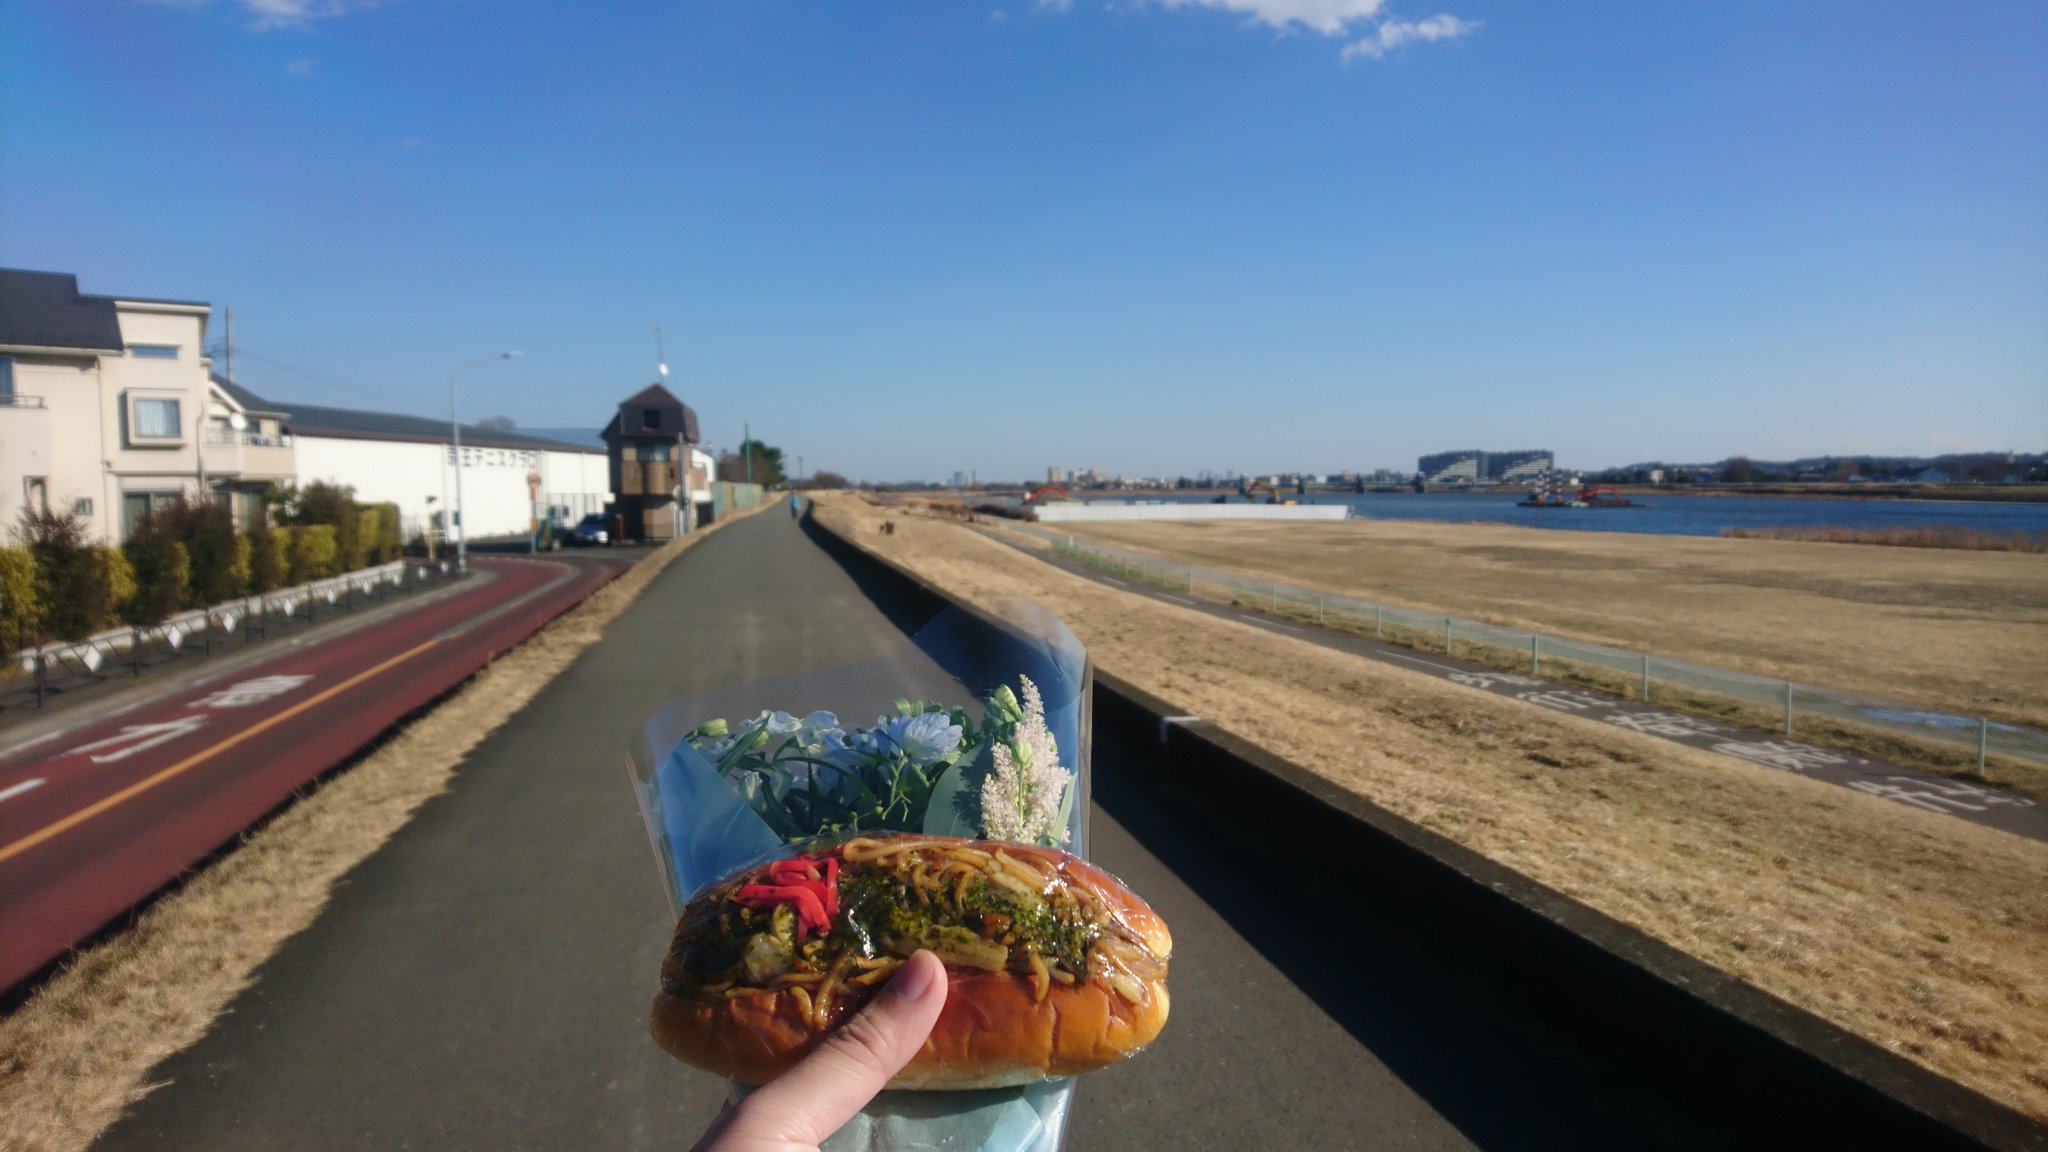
928, 768
985, 739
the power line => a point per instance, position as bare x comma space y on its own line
352, 388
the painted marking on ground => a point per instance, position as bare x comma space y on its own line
59, 827
18, 789
1419, 660
1177, 599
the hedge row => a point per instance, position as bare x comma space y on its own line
56, 585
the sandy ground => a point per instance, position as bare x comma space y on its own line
79, 1051
1926, 934
1957, 631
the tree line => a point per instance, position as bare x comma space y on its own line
55, 584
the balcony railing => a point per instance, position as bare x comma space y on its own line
18, 400
228, 436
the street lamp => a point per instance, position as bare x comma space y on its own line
455, 436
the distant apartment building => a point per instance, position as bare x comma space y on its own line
1055, 475
1477, 467
108, 410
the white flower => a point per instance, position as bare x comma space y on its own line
925, 738
1020, 798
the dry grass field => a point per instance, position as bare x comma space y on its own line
1926, 934
1958, 631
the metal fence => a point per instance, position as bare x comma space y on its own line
1639, 675
127, 651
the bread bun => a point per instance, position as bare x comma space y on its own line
1006, 1021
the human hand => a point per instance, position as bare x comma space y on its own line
800, 1108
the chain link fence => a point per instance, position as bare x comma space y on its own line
1754, 700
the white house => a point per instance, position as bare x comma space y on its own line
107, 409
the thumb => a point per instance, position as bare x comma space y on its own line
811, 1101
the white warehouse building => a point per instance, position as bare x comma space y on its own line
507, 477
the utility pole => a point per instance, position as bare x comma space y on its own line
747, 445
799, 469
206, 406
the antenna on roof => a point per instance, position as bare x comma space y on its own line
660, 352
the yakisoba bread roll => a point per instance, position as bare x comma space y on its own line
1055, 967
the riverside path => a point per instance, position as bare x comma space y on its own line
483, 980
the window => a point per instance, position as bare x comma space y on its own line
6, 381
82, 506
654, 452
157, 418
650, 418
137, 507
37, 490
154, 351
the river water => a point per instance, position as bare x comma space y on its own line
1682, 515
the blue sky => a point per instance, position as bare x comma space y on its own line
1152, 235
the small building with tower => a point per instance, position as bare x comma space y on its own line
651, 442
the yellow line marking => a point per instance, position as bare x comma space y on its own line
198, 758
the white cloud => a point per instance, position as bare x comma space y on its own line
1394, 33
270, 14
302, 68
286, 13
1329, 17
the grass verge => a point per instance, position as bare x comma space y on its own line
78, 1051
1923, 933
2026, 777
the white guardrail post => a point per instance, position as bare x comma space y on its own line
1788, 707
93, 651
1535, 655
1646, 678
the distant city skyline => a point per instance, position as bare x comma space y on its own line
905, 239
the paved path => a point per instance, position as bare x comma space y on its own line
1980, 804
483, 981
98, 815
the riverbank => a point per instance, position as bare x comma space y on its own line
1920, 932
1952, 631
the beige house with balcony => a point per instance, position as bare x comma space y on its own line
108, 409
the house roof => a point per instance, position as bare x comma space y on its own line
46, 310
249, 401
351, 424
656, 396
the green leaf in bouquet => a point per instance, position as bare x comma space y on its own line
1067, 808
952, 809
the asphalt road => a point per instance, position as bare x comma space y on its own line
105, 812
483, 981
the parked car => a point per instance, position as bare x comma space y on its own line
590, 530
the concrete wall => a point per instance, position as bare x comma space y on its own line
1075, 513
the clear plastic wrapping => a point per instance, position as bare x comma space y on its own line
801, 846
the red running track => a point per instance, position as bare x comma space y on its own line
94, 821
